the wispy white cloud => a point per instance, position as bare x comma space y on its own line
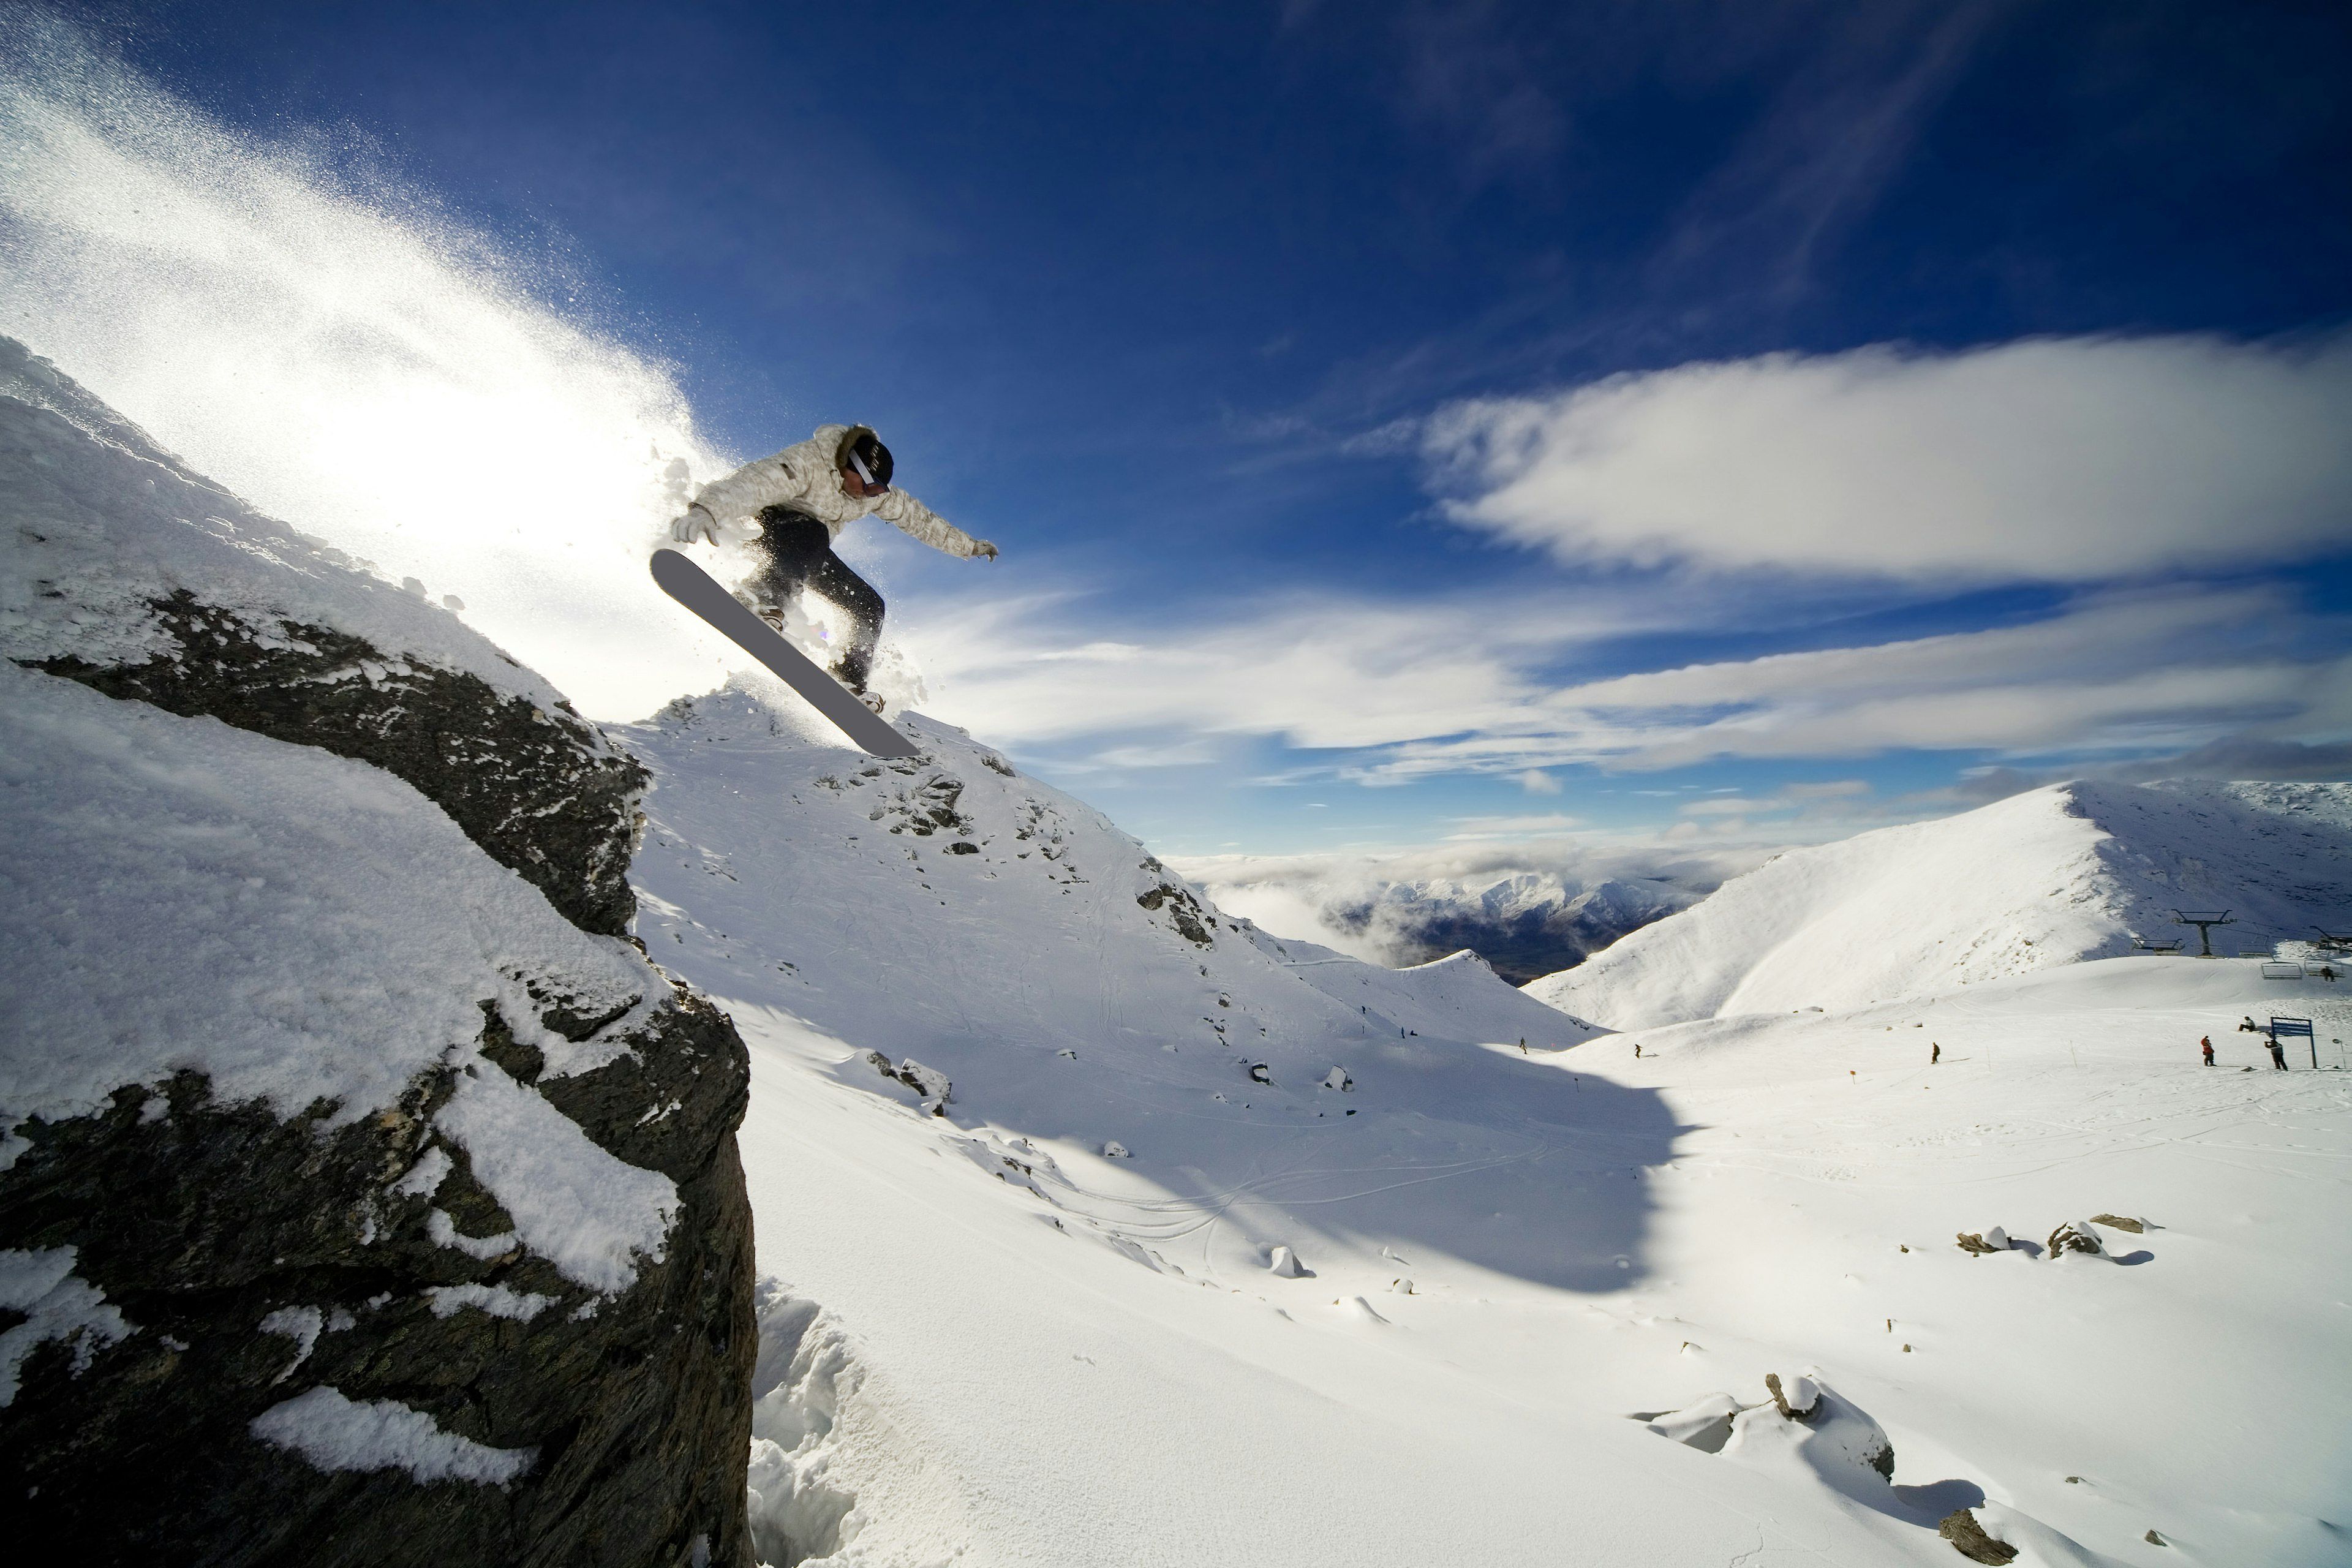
1399, 691
1833, 136
1324, 671
2067, 459
1541, 824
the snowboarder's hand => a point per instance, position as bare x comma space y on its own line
693, 524
982, 550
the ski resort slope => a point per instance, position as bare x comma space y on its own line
1121, 1302
2043, 878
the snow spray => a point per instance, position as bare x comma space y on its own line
345, 357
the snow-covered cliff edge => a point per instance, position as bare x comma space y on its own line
364, 1196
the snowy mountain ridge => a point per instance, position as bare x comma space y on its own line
1052, 892
2055, 876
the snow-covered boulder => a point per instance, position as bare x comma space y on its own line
1704, 1425
2080, 1238
363, 1200
122, 569
1808, 1429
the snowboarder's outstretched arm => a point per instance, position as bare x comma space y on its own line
720, 505
919, 523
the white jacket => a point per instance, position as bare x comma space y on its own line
804, 478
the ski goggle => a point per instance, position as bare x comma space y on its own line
864, 476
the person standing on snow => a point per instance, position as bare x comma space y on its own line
2206, 1045
2278, 1052
802, 497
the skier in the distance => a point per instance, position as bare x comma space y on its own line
802, 497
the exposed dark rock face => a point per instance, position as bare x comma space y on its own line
1968, 1539
540, 790
1184, 911
2070, 1237
203, 1220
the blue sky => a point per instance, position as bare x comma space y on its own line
1471, 424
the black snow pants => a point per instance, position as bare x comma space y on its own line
800, 555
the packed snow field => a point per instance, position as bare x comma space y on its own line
1104, 1228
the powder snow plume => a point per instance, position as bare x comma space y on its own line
374, 373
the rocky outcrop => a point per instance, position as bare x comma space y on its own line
261, 1259
536, 787
125, 571
364, 1198
1184, 911
2075, 1237
1968, 1539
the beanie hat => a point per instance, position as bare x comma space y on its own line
862, 453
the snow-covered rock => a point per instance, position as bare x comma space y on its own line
121, 569
2047, 878
363, 1199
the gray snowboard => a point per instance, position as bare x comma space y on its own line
690, 585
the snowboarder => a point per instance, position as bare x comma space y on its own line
1935, 1053
2248, 1027
2278, 1052
2206, 1045
802, 497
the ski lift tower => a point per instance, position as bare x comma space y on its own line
2204, 921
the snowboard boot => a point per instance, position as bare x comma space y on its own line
851, 669
772, 614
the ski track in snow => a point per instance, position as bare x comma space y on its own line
1583, 1234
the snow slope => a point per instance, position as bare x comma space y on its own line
2046, 878
1119, 1302
104, 523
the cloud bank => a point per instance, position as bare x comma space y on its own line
2057, 459
1526, 909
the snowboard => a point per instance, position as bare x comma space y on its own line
690, 585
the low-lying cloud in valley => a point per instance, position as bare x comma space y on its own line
1526, 911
